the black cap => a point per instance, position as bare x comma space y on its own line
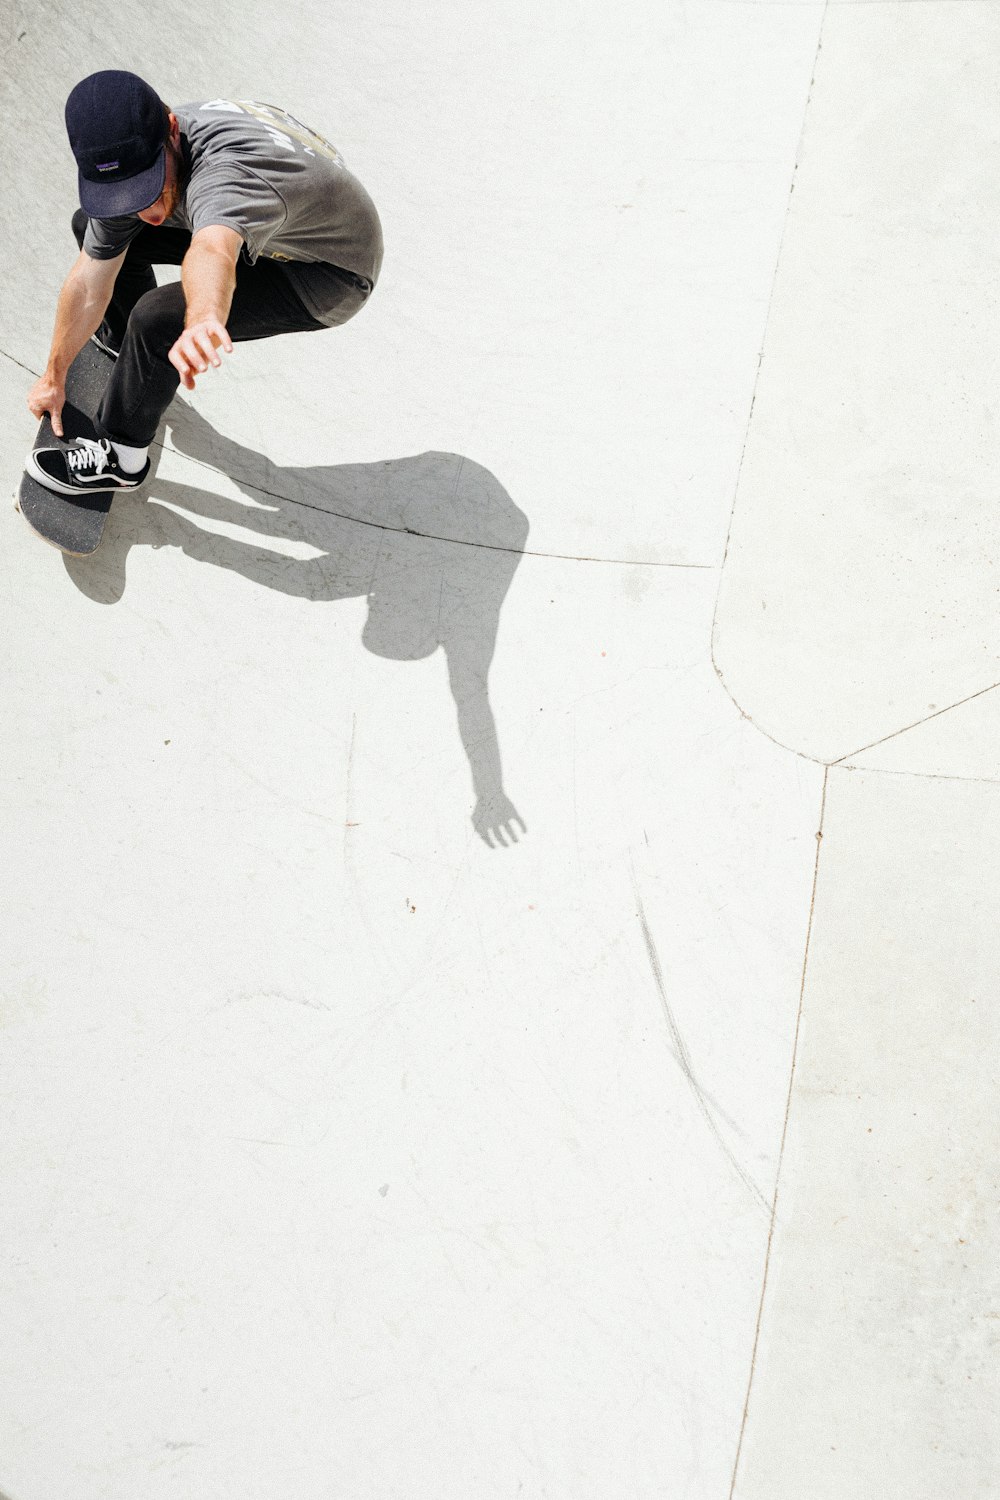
117, 128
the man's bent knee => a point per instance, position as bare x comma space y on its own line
157, 319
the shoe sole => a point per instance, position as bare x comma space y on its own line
48, 483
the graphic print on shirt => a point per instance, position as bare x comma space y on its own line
284, 129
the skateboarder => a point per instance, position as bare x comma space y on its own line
272, 233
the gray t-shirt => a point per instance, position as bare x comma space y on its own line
281, 187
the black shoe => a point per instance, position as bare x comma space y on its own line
102, 338
81, 466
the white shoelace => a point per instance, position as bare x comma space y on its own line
90, 453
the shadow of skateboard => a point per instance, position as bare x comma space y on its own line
73, 523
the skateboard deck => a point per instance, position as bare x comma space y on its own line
73, 523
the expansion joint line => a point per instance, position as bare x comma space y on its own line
822, 811
453, 541
784, 1136
949, 708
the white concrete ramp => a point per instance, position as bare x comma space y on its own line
438, 1058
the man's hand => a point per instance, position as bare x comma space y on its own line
197, 348
208, 276
48, 395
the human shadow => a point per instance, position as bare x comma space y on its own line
432, 542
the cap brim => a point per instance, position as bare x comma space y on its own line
129, 195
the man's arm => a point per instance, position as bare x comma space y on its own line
82, 304
208, 276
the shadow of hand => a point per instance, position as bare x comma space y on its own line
494, 818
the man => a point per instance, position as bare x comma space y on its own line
272, 233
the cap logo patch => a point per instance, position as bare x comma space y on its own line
107, 166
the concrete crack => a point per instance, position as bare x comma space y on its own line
919, 775
28, 371
454, 541
915, 725
784, 1138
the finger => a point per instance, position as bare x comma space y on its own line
215, 338
216, 333
56, 420
181, 366
189, 353
202, 349
179, 361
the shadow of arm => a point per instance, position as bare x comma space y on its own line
494, 817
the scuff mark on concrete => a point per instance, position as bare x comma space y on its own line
683, 1058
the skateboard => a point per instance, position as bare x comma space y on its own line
73, 523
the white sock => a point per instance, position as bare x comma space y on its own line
131, 459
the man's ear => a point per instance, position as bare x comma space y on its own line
175, 129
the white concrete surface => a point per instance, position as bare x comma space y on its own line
861, 589
350, 1147
877, 1371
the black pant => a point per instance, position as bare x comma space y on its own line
146, 320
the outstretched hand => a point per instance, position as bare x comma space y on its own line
197, 348
496, 820
48, 395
